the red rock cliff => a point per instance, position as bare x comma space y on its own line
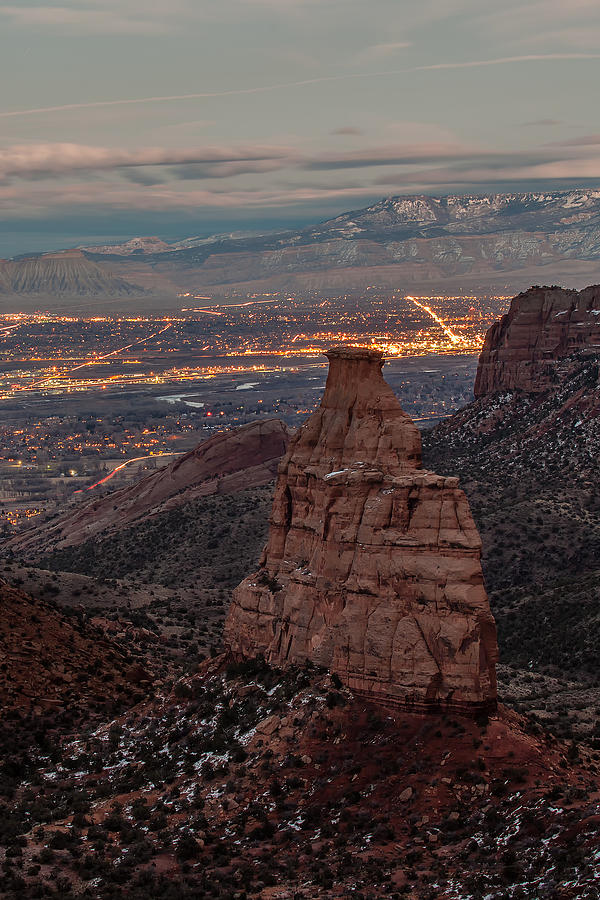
372, 566
542, 326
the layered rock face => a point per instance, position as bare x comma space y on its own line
542, 326
372, 568
66, 273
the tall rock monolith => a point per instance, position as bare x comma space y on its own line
372, 567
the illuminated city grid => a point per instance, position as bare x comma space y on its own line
89, 404
50, 354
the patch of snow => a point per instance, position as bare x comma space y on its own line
180, 398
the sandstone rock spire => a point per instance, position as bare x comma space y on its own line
372, 567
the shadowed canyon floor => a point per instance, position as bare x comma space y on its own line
249, 782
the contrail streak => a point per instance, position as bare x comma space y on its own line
470, 64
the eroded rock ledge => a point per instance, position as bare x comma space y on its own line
372, 568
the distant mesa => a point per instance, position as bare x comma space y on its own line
5, 279
68, 273
542, 326
372, 567
227, 462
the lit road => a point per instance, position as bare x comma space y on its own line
96, 359
211, 310
122, 466
447, 331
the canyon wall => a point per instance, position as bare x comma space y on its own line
542, 326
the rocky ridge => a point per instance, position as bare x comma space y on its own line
271, 783
228, 462
424, 216
536, 417
135, 246
372, 568
526, 451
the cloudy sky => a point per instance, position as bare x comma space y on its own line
179, 117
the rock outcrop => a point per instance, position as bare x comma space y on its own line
527, 446
542, 326
227, 462
372, 567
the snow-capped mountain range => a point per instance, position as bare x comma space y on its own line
414, 240
412, 216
